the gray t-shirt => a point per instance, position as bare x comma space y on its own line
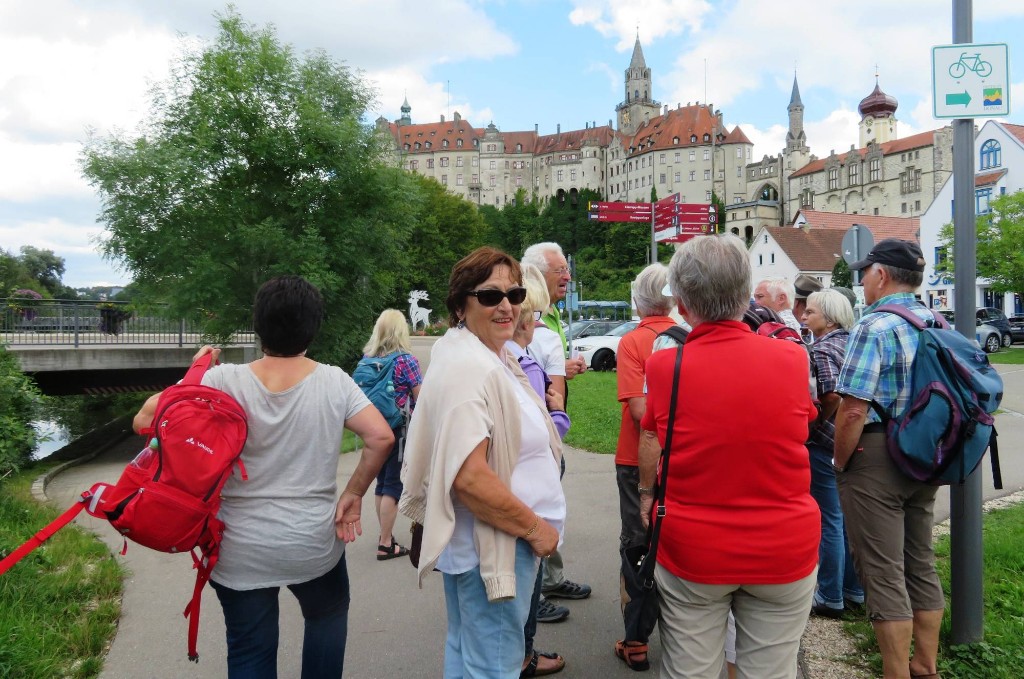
279, 525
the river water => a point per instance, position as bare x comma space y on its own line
66, 418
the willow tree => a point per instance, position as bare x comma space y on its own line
253, 162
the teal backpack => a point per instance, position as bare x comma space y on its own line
375, 375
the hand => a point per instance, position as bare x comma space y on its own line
574, 366
207, 349
554, 399
544, 540
646, 504
582, 365
347, 518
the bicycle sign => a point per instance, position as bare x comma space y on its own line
970, 81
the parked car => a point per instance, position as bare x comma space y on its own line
997, 319
586, 328
599, 351
988, 336
1017, 328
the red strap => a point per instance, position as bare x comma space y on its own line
45, 534
198, 369
203, 570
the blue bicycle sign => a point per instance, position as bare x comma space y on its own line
973, 63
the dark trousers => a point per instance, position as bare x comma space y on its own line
252, 616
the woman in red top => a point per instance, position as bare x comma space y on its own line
741, 529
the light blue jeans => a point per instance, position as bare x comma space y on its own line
485, 639
837, 580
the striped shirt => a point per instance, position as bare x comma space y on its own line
879, 356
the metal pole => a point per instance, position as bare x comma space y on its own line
967, 596
654, 240
856, 252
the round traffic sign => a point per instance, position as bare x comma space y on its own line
712, 217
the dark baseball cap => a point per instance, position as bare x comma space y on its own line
901, 254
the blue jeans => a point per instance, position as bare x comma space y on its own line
486, 639
837, 580
252, 616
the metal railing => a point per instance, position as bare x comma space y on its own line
88, 322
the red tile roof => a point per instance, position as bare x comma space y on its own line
810, 249
435, 133
914, 141
573, 139
988, 178
906, 228
682, 123
1016, 130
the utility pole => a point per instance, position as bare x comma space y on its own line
967, 596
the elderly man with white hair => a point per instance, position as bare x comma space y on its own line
777, 294
635, 348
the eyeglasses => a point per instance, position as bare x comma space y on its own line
561, 271
491, 297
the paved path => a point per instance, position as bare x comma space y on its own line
396, 629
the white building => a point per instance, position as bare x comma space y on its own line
999, 163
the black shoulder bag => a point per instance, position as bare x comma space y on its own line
640, 613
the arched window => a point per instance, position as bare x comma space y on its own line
636, 94
769, 193
693, 138
519, 147
707, 137
991, 155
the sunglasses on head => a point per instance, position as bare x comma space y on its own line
492, 297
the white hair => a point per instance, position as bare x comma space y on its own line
834, 306
647, 289
537, 253
536, 290
776, 286
710, 275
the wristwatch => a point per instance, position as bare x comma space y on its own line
644, 491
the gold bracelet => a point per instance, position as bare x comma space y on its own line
533, 528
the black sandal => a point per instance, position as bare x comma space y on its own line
531, 669
392, 551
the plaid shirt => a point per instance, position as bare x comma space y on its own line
827, 355
407, 376
879, 355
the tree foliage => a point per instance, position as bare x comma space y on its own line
1000, 244
19, 400
841, 275
255, 162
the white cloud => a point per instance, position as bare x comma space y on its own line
768, 142
653, 19
31, 172
429, 100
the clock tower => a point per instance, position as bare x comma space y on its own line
639, 106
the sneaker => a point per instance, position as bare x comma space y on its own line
567, 589
823, 611
549, 612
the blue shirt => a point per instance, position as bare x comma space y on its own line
879, 355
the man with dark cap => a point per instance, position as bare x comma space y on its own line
803, 286
889, 516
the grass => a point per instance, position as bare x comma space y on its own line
1000, 655
1011, 356
594, 411
59, 606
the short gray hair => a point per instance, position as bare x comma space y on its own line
647, 289
777, 285
537, 253
710, 276
903, 276
536, 290
834, 306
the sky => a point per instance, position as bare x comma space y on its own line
71, 68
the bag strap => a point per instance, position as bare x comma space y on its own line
912, 318
46, 533
665, 455
198, 369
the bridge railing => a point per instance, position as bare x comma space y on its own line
88, 322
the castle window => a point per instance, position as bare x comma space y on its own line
853, 174
875, 169
693, 156
406, 147
444, 143
833, 179
707, 137
444, 180
693, 139
430, 163
458, 180
519, 148
991, 155
427, 144
458, 142
707, 154
417, 146
675, 140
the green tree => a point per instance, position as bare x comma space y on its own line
45, 267
841, 275
19, 400
13, 274
1000, 244
719, 204
255, 163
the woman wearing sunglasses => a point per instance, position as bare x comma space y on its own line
481, 471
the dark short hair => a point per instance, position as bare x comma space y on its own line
287, 314
471, 271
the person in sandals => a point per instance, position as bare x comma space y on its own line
391, 335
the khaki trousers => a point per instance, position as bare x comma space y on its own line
770, 619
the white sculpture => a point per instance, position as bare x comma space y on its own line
416, 313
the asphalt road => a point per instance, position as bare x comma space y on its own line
396, 629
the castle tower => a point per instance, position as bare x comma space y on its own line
877, 117
639, 106
406, 118
796, 140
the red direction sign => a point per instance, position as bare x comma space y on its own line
606, 216
670, 200
601, 206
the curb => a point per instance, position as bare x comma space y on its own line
118, 430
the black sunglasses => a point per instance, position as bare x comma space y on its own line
492, 297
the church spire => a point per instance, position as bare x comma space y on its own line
794, 98
638, 55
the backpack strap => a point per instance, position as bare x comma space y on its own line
46, 532
198, 369
675, 332
912, 318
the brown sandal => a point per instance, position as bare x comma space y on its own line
629, 652
933, 675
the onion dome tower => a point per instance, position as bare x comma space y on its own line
877, 117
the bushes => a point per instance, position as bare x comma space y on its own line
18, 402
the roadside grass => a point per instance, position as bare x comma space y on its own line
594, 411
1011, 356
59, 606
1000, 655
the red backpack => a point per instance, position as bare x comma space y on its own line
168, 497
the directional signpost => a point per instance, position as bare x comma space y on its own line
970, 81
670, 220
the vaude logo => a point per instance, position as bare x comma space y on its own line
191, 440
